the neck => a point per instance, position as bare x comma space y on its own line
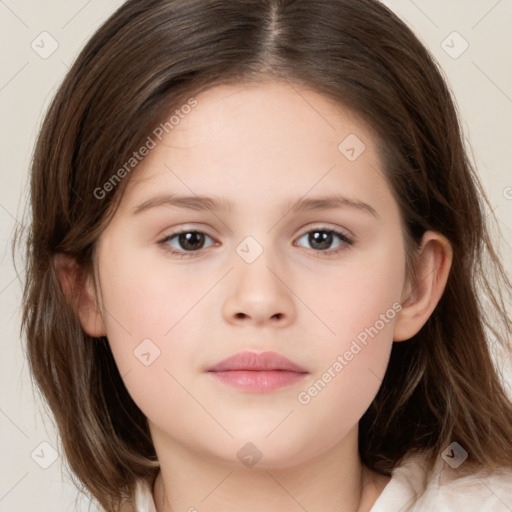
333, 481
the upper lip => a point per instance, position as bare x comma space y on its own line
257, 361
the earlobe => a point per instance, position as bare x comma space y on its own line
432, 267
79, 293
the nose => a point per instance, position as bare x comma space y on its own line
259, 296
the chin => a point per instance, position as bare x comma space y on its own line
259, 450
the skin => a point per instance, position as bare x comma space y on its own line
262, 147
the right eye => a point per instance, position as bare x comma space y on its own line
323, 236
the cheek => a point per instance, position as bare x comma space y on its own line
146, 311
146, 295
351, 364
352, 298
359, 307
151, 335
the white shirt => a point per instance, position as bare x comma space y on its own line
444, 492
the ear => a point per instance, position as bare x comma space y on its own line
79, 291
431, 266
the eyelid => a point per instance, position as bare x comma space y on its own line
326, 227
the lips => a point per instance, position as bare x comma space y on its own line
254, 361
257, 372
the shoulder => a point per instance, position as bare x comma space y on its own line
482, 490
475, 490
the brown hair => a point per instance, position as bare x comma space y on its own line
147, 59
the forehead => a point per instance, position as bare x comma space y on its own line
272, 136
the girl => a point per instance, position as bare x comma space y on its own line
255, 267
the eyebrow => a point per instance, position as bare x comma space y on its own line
205, 203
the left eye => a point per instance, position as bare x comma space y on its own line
189, 241
321, 239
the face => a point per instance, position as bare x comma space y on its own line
300, 253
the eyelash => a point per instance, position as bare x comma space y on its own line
347, 242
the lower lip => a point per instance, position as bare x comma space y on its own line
258, 381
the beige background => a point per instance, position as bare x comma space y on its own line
481, 78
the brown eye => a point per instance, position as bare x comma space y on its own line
321, 240
185, 242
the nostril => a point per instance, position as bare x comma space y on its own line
277, 316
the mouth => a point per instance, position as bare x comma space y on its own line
257, 372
